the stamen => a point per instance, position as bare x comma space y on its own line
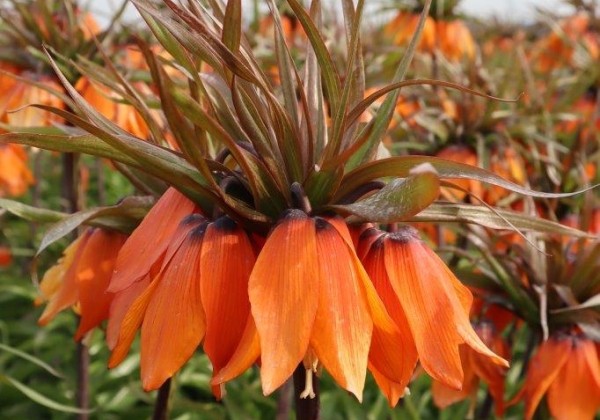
223, 390
406, 392
308, 386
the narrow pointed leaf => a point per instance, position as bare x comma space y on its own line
400, 166
483, 216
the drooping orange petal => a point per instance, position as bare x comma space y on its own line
418, 280
543, 369
247, 352
443, 395
174, 323
393, 355
574, 393
61, 280
491, 373
94, 271
463, 324
343, 326
282, 290
226, 261
119, 307
150, 240
393, 391
132, 320
367, 238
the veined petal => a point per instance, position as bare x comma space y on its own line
59, 284
418, 282
343, 326
393, 391
174, 323
490, 372
94, 271
247, 352
226, 261
574, 393
119, 307
393, 355
543, 369
282, 291
463, 324
132, 319
443, 395
150, 240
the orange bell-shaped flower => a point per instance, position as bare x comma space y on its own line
311, 302
81, 279
433, 301
567, 371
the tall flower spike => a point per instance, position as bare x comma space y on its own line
435, 303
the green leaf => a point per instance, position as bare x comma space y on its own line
124, 216
328, 70
31, 359
41, 399
494, 219
399, 166
33, 214
398, 200
382, 120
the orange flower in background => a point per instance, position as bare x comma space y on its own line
402, 28
462, 154
558, 47
124, 115
451, 37
434, 302
506, 162
80, 279
15, 176
477, 368
566, 370
13, 101
292, 29
454, 40
5, 256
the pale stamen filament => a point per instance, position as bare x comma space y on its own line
308, 386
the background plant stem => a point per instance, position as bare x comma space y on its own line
161, 407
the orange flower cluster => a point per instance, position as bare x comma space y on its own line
308, 295
450, 37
